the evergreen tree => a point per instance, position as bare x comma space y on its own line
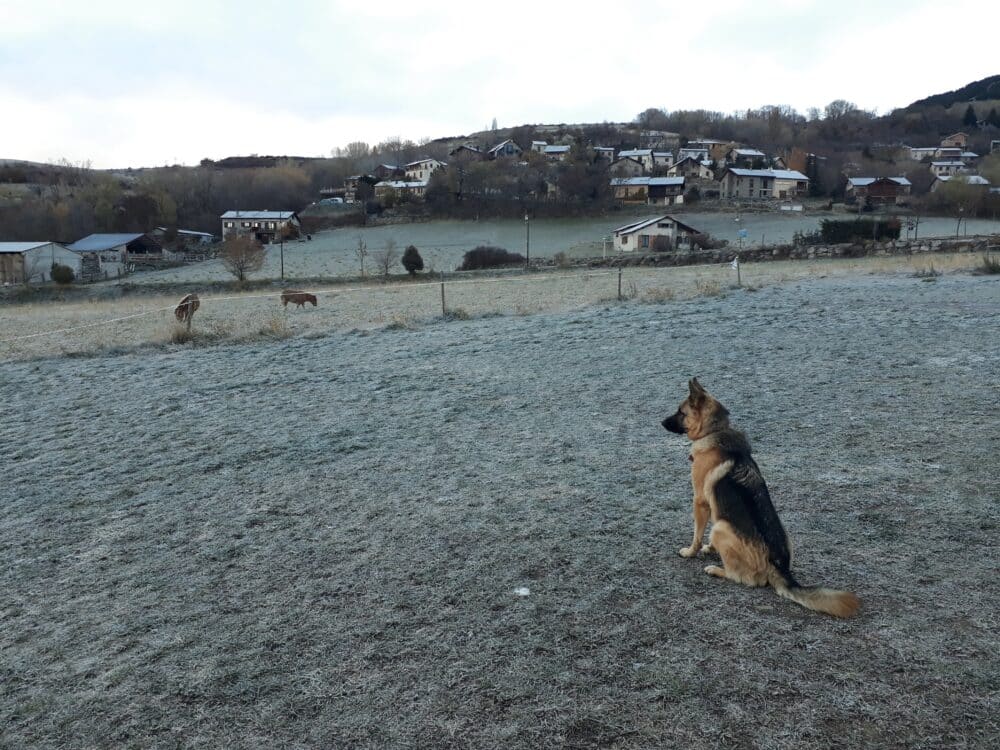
412, 261
993, 119
970, 120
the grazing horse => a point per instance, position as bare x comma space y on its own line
187, 308
298, 297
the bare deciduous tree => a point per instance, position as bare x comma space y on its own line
242, 256
362, 252
387, 257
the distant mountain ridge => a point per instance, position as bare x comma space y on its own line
983, 90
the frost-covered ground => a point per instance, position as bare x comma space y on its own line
316, 542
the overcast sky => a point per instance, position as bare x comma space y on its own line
150, 83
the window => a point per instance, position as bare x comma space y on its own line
625, 239
246, 224
229, 224
643, 240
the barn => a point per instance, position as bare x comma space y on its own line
104, 255
31, 262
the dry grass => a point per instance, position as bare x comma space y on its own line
247, 317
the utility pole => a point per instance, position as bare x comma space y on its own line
282, 256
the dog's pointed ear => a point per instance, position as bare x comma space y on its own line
696, 392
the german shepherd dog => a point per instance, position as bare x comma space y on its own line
729, 489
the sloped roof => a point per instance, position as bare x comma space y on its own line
96, 242
259, 215
22, 247
865, 181
778, 174
617, 181
637, 225
402, 184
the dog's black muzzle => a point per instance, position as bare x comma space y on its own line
675, 423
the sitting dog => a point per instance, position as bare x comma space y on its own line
729, 489
298, 297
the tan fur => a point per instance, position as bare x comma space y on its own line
187, 307
745, 559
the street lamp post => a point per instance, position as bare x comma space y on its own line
527, 241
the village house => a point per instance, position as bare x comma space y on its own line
642, 155
747, 158
466, 152
263, 226
939, 168
505, 150
956, 140
604, 152
413, 189
31, 262
692, 169
716, 150
388, 171
662, 160
556, 153
539, 146
664, 191
642, 235
754, 184
698, 154
625, 168
995, 147
923, 152
969, 179
422, 169
357, 186
877, 190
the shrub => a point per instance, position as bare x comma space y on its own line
412, 261
705, 241
840, 231
62, 274
487, 256
242, 256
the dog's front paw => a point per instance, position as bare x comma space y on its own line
688, 551
707, 549
715, 570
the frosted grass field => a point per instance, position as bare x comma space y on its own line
464, 533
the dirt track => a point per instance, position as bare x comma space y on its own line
316, 542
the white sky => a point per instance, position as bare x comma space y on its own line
125, 83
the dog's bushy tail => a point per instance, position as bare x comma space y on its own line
830, 601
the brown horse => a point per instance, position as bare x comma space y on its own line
187, 308
298, 297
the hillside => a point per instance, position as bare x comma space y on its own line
977, 91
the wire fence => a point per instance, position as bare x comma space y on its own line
79, 327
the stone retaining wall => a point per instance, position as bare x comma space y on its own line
977, 244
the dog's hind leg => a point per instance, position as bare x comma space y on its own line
742, 561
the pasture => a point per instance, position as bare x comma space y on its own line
323, 540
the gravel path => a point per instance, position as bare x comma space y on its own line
316, 542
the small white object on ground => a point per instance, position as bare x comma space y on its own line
522, 591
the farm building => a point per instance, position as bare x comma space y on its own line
265, 226
642, 235
974, 180
105, 255
185, 236
506, 149
31, 262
